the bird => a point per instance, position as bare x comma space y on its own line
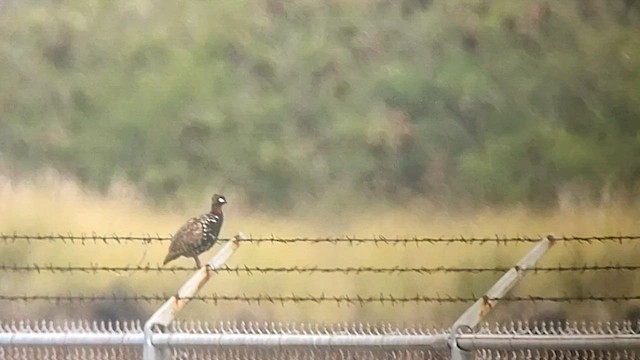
198, 234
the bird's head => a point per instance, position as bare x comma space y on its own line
217, 201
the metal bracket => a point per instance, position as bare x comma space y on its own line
458, 353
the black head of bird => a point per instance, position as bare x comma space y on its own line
216, 203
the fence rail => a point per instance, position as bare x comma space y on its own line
536, 327
342, 341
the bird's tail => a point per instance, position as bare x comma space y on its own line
169, 257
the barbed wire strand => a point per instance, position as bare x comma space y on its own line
381, 299
251, 270
84, 239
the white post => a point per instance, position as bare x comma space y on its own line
168, 311
479, 310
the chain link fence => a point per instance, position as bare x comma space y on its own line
248, 340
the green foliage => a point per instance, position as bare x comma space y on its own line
498, 101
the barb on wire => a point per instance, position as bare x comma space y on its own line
382, 299
84, 239
252, 270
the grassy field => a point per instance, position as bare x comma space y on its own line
54, 205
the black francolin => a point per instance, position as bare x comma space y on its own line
198, 234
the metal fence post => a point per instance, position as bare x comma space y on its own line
168, 311
151, 352
458, 353
481, 308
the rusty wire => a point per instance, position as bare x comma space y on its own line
381, 299
251, 270
85, 239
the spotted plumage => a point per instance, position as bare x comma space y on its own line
198, 234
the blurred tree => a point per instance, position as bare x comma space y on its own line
458, 101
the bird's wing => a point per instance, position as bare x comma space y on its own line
187, 238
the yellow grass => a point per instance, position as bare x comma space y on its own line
55, 205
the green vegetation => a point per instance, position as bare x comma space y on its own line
458, 101
419, 111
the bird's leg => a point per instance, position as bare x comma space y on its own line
198, 264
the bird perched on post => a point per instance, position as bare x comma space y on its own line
198, 234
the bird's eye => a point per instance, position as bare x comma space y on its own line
221, 200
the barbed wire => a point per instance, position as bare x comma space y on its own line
382, 299
84, 239
251, 270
